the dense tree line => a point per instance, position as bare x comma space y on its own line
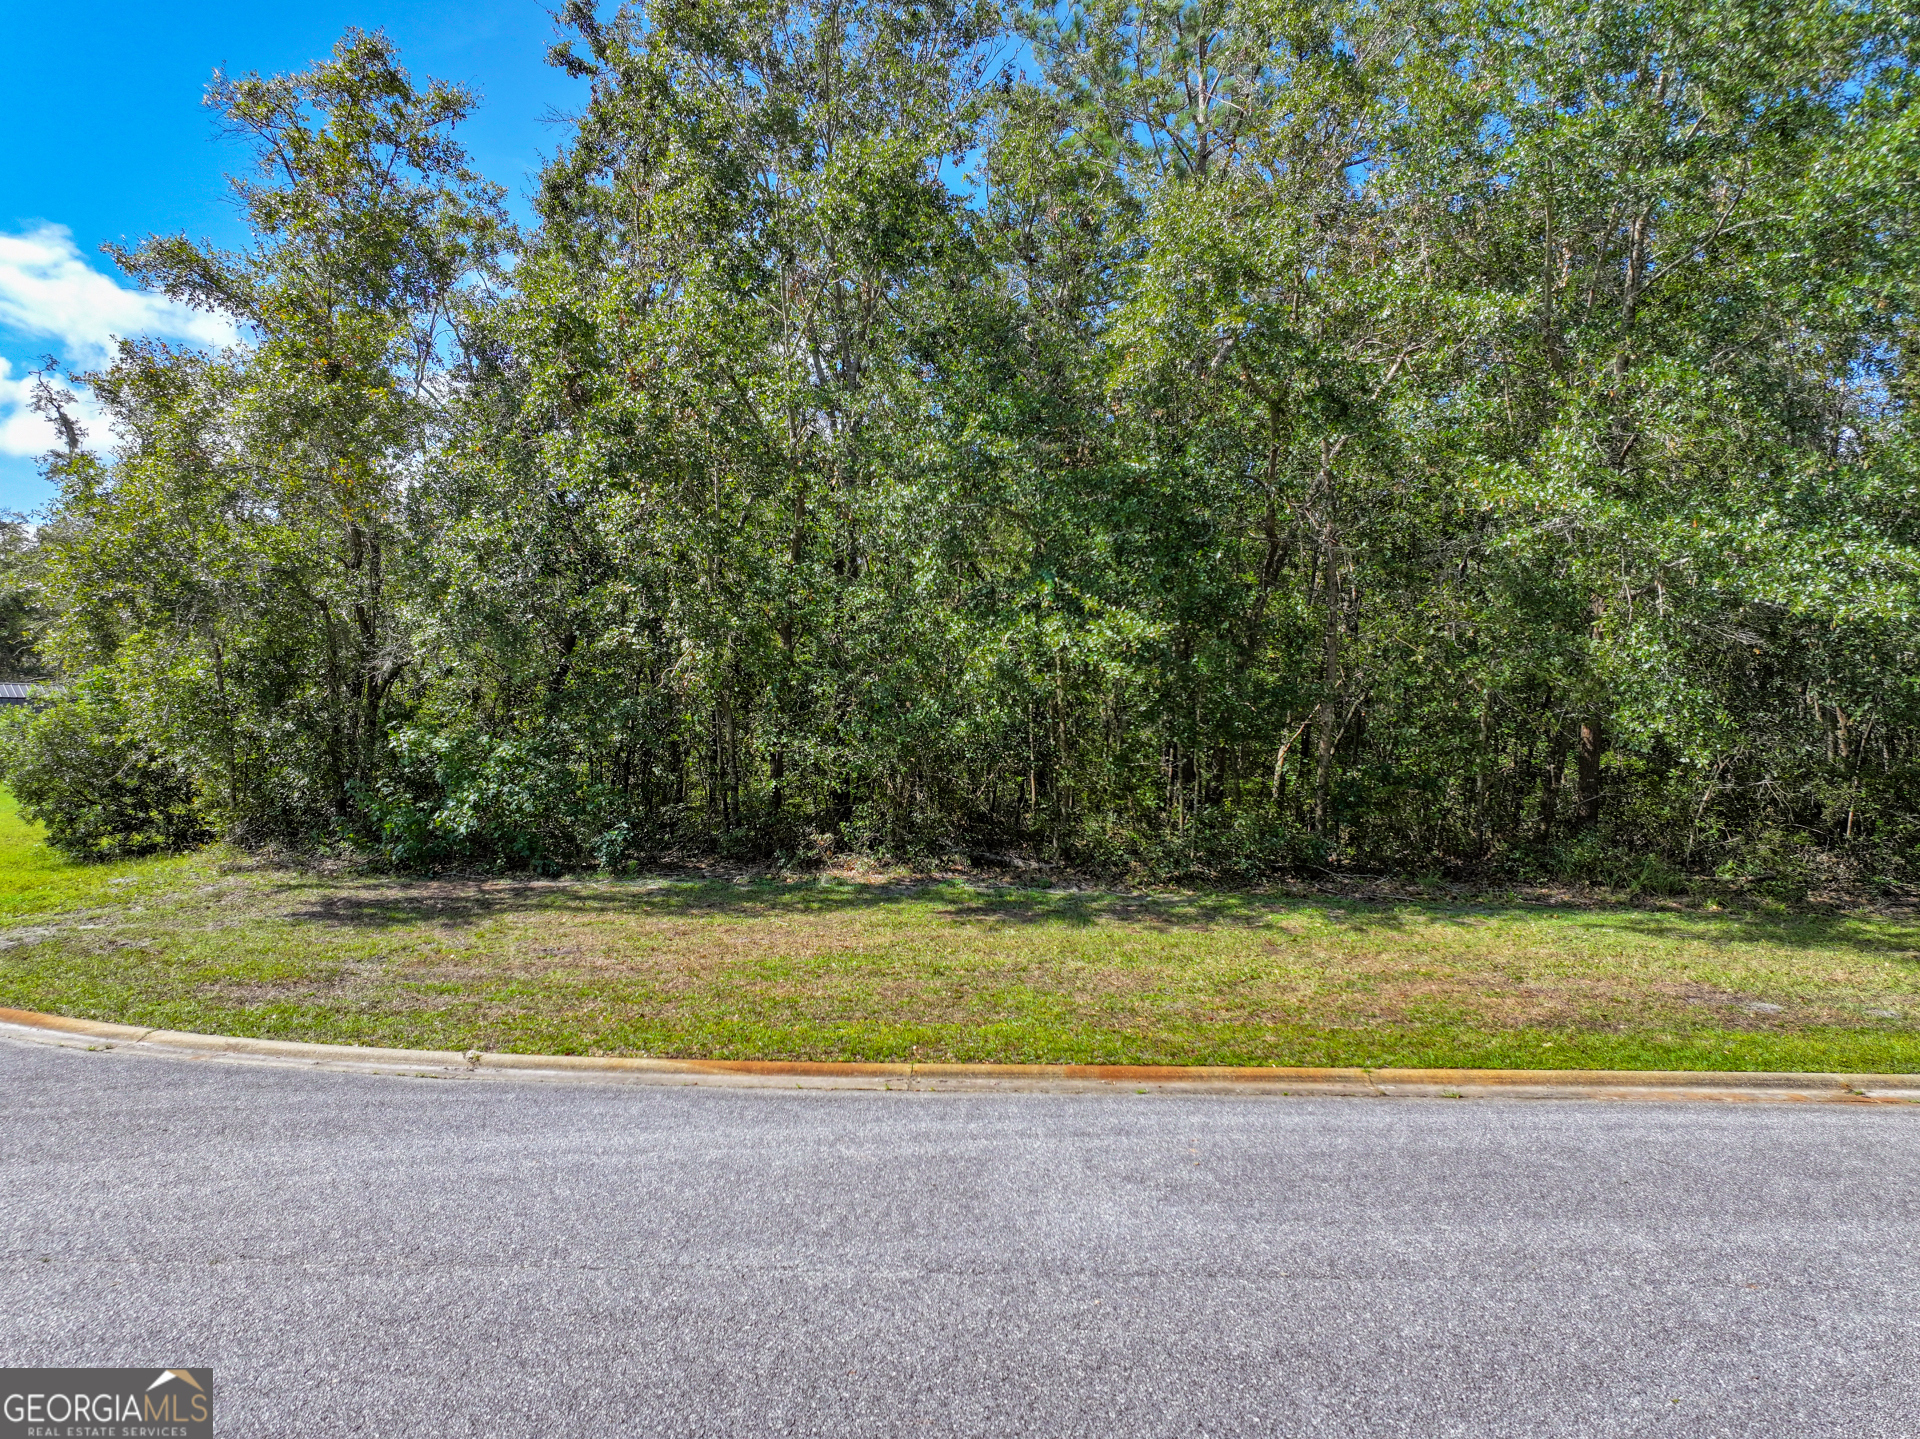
1203, 435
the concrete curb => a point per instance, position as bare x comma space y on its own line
90, 1034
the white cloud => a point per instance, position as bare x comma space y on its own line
49, 292
47, 288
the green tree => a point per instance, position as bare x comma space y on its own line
1253, 433
240, 554
685, 563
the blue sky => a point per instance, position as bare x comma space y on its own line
106, 139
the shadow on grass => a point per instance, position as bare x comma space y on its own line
378, 905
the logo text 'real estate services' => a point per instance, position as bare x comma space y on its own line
106, 1403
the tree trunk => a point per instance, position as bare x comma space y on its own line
1326, 722
1550, 782
1593, 744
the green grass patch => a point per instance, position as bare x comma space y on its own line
948, 971
37, 879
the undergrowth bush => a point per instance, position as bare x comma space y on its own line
77, 766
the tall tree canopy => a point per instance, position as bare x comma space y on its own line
1193, 434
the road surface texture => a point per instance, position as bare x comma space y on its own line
359, 1254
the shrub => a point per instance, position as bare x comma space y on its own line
76, 766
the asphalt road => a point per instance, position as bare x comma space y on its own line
358, 1254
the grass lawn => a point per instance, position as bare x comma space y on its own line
949, 970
